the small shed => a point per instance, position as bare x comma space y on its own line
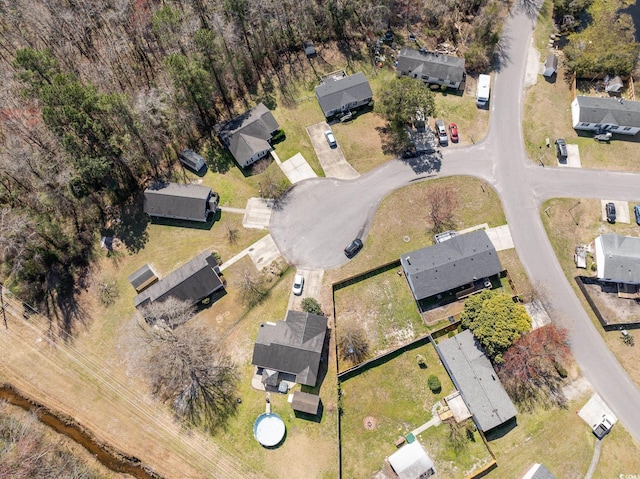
305, 402
191, 160
142, 278
309, 49
613, 84
550, 66
411, 462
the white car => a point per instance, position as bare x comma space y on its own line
298, 284
330, 138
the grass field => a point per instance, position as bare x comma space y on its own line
404, 214
396, 395
384, 306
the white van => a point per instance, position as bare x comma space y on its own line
483, 91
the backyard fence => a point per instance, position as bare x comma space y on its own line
581, 280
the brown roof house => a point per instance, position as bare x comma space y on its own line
293, 346
181, 202
248, 135
191, 282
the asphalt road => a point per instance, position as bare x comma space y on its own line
321, 216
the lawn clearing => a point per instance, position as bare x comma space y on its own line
472, 122
396, 395
547, 114
560, 439
384, 306
401, 223
564, 236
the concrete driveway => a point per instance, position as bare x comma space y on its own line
257, 213
332, 160
297, 169
573, 157
622, 211
312, 285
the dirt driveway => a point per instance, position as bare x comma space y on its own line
332, 160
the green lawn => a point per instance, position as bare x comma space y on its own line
384, 306
404, 215
396, 395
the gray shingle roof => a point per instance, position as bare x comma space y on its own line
191, 282
451, 264
609, 110
305, 402
191, 159
550, 65
333, 94
142, 277
476, 380
173, 200
538, 471
292, 346
620, 258
248, 133
436, 65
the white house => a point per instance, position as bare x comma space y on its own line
606, 114
411, 462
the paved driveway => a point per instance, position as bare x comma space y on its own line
332, 160
297, 169
312, 285
622, 211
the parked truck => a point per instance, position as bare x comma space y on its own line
483, 91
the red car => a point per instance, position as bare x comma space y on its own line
453, 132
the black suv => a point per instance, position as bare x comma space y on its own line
611, 212
561, 149
353, 248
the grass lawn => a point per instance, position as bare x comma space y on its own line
404, 214
472, 122
384, 306
565, 235
547, 114
396, 395
572, 446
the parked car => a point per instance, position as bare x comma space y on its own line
611, 212
298, 284
442, 133
605, 425
561, 149
330, 138
636, 211
353, 248
453, 132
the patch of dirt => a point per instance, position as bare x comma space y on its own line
615, 310
370, 423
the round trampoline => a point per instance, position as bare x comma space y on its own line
268, 429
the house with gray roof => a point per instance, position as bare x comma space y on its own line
248, 135
431, 67
479, 385
618, 261
605, 114
538, 471
191, 282
181, 202
293, 346
341, 93
464, 262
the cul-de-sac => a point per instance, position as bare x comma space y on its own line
359, 239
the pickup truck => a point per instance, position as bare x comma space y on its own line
600, 430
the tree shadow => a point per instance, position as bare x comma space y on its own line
531, 8
426, 163
130, 226
501, 53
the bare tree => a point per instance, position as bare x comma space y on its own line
231, 231
353, 344
167, 314
251, 285
442, 201
190, 371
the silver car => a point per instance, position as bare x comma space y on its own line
443, 138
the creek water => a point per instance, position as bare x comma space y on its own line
108, 458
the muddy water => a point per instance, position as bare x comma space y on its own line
107, 456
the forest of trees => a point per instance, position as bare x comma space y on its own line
97, 97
